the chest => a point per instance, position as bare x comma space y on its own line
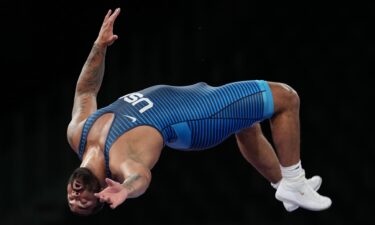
99, 131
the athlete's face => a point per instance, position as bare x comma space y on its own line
80, 200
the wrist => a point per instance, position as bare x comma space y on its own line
100, 44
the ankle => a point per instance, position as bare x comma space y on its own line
293, 171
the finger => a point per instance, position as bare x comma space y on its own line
99, 196
113, 205
114, 15
104, 199
108, 14
108, 201
100, 192
113, 39
109, 182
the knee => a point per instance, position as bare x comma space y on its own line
285, 96
291, 96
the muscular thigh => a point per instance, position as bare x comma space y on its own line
249, 134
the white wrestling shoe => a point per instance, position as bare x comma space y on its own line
314, 182
300, 192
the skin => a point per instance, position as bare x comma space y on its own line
134, 154
79, 199
285, 128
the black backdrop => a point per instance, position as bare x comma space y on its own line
326, 52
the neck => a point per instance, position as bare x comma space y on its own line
93, 159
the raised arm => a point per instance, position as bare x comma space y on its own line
90, 78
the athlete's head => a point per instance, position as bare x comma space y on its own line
82, 185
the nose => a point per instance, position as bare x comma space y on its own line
75, 193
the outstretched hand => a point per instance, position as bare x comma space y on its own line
114, 194
106, 36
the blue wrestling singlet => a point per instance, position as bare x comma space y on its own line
193, 117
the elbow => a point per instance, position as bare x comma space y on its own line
139, 187
146, 180
147, 177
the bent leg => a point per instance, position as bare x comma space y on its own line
258, 151
285, 125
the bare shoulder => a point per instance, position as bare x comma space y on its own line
74, 131
142, 144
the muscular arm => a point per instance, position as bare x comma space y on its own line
92, 72
137, 179
90, 78
89, 82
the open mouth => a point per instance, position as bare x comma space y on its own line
77, 185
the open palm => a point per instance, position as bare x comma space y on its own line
114, 194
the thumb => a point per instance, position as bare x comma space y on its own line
109, 182
113, 39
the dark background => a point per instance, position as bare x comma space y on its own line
325, 52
